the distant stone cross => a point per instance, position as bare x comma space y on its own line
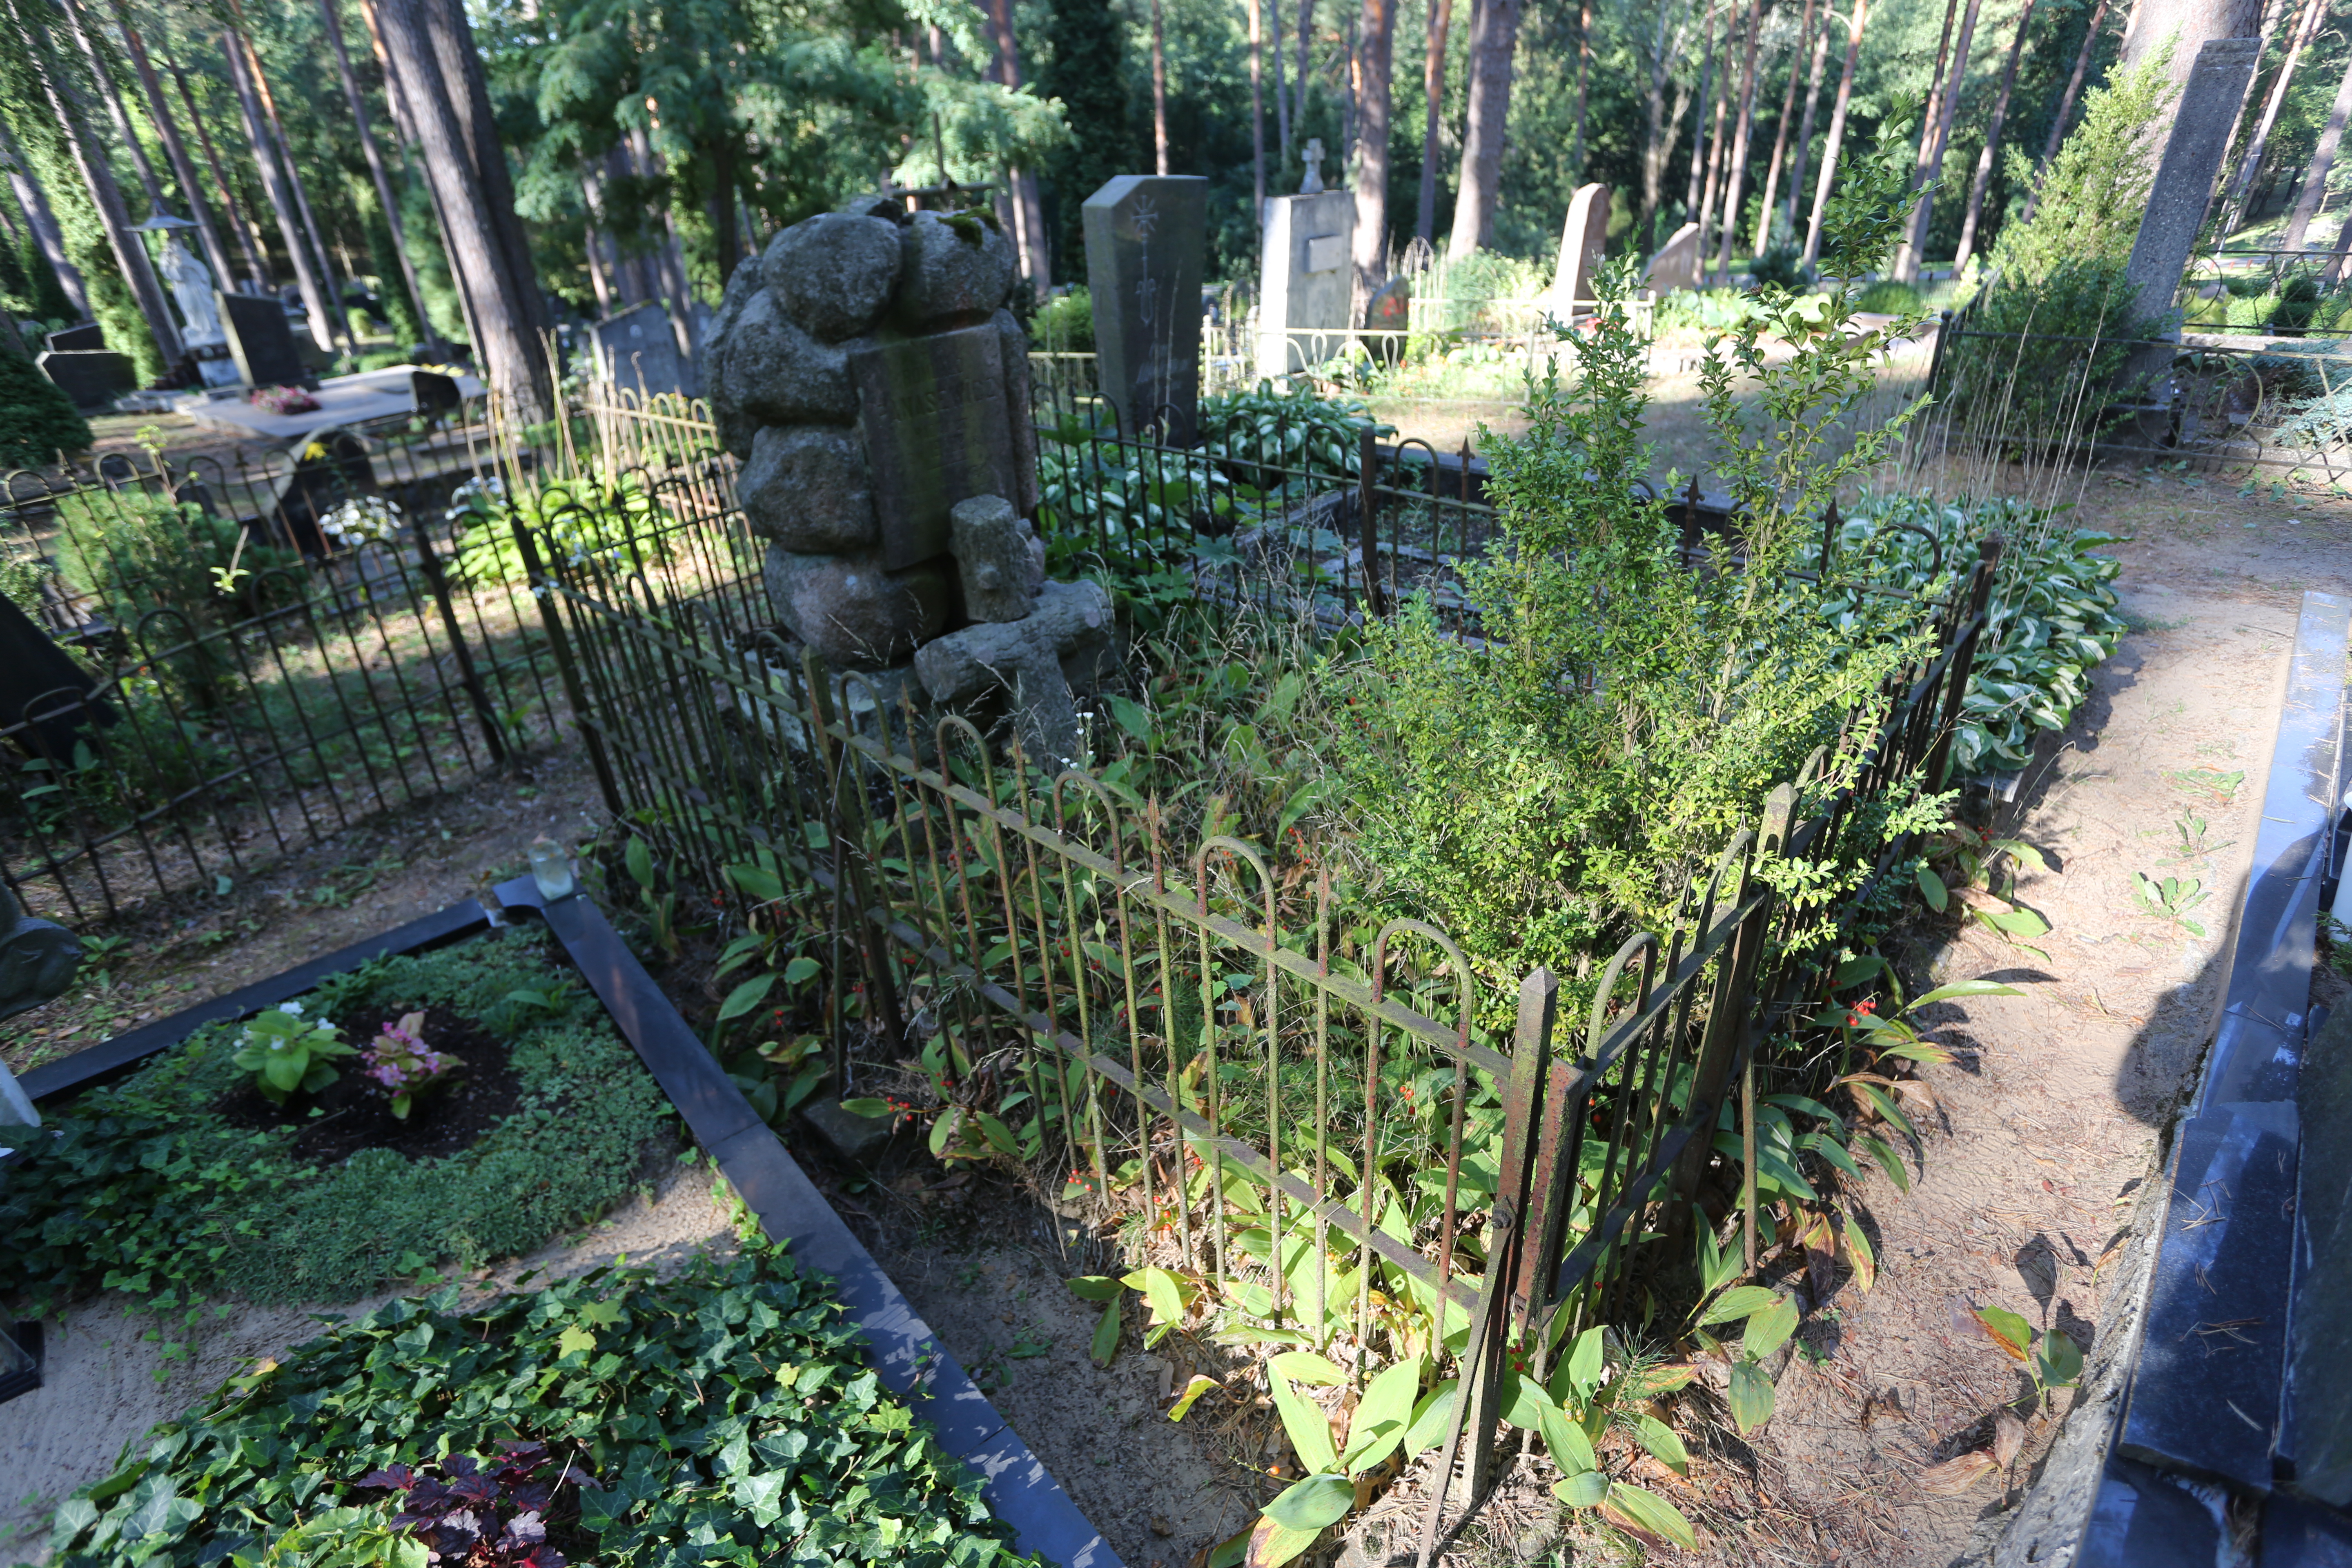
1313, 184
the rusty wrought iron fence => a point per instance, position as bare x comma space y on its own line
217, 660
1316, 1124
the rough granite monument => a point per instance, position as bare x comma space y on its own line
866, 371
1145, 240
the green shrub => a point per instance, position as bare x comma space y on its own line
37, 420
1888, 297
591, 520
147, 1187
1547, 790
1064, 324
2056, 289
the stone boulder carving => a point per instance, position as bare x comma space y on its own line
866, 371
1000, 560
1033, 661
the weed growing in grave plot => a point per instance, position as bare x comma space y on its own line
725, 1416
173, 1187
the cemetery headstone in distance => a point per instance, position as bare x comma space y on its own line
1146, 236
261, 342
1304, 282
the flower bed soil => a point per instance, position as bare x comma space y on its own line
354, 1112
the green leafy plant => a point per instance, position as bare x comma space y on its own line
288, 1053
2171, 898
613, 522
37, 420
2051, 1359
724, 1414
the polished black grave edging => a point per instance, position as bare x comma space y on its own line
110, 1057
912, 1361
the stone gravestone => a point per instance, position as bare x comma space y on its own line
932, 414
1583, 240
69, 340
867, 371
1145, 239
1304, 282
93, 378
261, 342
1675, 266
639, 350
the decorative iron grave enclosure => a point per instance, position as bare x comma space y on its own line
1316, 1132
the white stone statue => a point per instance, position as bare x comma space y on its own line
191, 283
1313, 158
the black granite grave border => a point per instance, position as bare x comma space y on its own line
86, 1069
912, 1361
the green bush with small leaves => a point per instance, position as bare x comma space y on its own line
37, 420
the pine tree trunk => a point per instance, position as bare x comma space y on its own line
505, 340
1158, 91
1802, 160
1711, 183
386, 199
175, 148
1983, 180
1276, 38
146, 290
1257, 111
2323, 161
282, 202
1698, 129
248, 238
1028, 205
1433, 86
2065, 108
469, 93
1736, 174
1583, 84
1953, 87
1781, 136
43, 221
2306, 27
103, 78
1377, 59
321, 258
1493, 43
1835, 139
1906, 267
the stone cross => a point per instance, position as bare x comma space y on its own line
1313, 184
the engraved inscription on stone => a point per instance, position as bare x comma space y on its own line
932, 415
1327, 252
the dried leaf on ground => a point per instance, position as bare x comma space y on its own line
1954, 1477
2008, 1439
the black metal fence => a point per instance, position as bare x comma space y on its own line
214, 662
1174, 1017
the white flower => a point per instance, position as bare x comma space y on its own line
291, 1009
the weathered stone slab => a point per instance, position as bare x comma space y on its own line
93, 378
1305, 284
1583, 241
75, 340
932, 413
1145, 239
853, 610
1676, 265
261, 342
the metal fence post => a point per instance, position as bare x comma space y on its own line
1367, 475
1478, 1394
1964, 659
845, 806
543, 590
439, 581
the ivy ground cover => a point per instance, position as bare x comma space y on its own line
187, 1182
723, 1417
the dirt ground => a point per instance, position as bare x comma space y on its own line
105, 1380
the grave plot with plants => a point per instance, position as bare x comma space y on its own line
418, 1113
725, 1416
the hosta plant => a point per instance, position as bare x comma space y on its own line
288, 1053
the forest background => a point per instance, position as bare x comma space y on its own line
630, 128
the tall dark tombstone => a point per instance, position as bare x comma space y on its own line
1145, 240
261, 342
